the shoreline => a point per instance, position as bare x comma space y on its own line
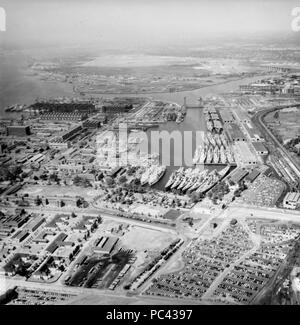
41, 88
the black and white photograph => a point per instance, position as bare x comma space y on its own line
150, 155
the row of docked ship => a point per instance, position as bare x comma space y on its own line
216, 155
194, 179
152, 175
213, 150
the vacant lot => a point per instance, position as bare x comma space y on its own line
140, 238
57, 190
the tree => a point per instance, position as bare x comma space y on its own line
53, 177
122, 179
195, 197
78, 203
85, 204
44, 177
77, 180
38, 201
109, 181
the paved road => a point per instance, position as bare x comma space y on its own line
103, 213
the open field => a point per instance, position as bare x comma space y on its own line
57, 190
139, 238
289, 126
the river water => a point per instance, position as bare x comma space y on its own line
193, 122
18, 87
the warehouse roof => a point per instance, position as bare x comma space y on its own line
259, 147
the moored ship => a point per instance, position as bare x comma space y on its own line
156, 175
216, 155
173, 177
209, 156
222, 173
145, 176
201, 178
203, 155
229, 156
178, 179
223, 155
212, 179
186, 178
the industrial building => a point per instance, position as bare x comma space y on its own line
110, 110
105, 245
57, 242
259, 88
20, 235
18, 130
292, 201
253, 133
237, 175
35, 223
260, 149
64, 116
70, 133
234, 132
92, 124
14, 221
243, 154
226, 116
252, 176
242, 116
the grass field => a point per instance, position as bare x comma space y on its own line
139, 238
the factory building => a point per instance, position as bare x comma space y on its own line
70, 133
251, 177
105, 245
57, 242
94, 124
18, 130
291, 201
226, 116
234, 132
260, 149
242, 116
237, 175
20, 235
252, 132
243, 154
35, 224
109, 110
259, 88
64, 116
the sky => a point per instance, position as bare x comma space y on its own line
125, 23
